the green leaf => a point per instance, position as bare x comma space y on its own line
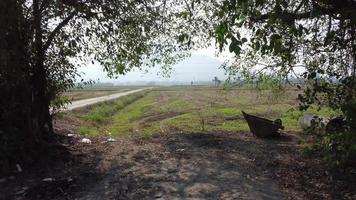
235, 46
120, 68
257, 46
312, 75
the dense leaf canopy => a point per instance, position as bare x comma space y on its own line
313, 40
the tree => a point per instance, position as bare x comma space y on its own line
278, 36
216, 81
43, 42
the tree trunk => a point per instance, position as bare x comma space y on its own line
15, 89
41, 118
24, 104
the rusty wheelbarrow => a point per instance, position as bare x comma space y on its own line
262, 127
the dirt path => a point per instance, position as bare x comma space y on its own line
189, 166
86, 102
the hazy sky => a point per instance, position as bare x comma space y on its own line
203, 65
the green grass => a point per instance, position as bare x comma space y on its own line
103, 113
177, 105
241, 101
170, 111
122, 121
88, 131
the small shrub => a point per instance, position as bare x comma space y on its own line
202, 120
340, 149
339, 146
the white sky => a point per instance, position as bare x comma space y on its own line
203, 65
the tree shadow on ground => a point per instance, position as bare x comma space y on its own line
181, 166
56, 170
211, 166
190, 166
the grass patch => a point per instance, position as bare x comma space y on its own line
241, 101
88, 131
177, 105
189, 111
233, 126
123, 121
189, 122
102, 112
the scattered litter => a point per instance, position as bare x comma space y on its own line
19, 169
70, 135
180, 150
158, 195
69, 179
86, 141
23, 191
110, 140
306, 120
48, 179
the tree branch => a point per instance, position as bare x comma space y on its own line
344, 8
54, 33
43, 5
283, 16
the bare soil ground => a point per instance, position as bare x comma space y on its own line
181, 166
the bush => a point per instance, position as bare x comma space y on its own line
339, 147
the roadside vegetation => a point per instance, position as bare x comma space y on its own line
94, 118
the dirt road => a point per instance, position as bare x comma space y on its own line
86, 102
